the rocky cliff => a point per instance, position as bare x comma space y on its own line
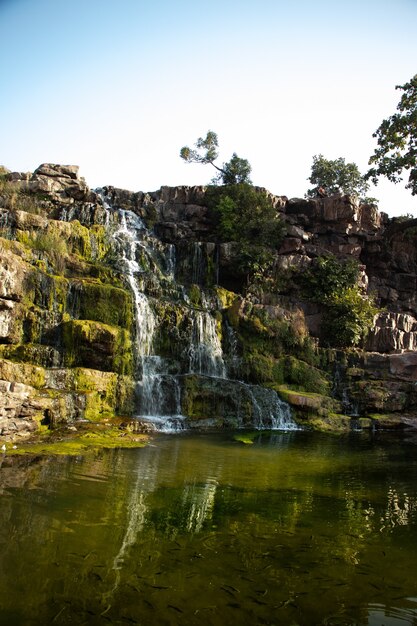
114, 302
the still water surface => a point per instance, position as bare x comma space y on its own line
295, 529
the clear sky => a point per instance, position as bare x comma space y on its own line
117, 87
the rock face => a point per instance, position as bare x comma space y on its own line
66, 318
75, 331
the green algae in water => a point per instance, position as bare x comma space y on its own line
247, 438
297, 528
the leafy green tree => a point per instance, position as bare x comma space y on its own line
348, 317
348, 312
335, 177
327, 276
397, 141
233, 172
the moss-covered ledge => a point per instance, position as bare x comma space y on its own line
315, 410
35, 398
83, 439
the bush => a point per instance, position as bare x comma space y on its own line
247, 216
15, 198
328, 276
349, 317
349, 313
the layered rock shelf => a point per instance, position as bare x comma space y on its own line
70, 333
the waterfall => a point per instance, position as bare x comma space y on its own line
150, 267
234, 360
160, 395
205, 350
126, 236
269, 408
197, 263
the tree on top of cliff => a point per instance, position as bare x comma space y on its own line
335, 177
397, 141
232, 172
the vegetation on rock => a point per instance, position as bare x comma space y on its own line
246, 215
348, 311
336, 176
234, 172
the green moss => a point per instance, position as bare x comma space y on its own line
304, 376
225, 298
28, 374
308, 403
332, 423
355, 372
89, 439
79, 241
102, 303
246, 438
387, 420
233, 313
194, 294
36, 354
258, 368
99, 346
365, 422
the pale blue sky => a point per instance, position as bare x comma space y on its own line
118, 87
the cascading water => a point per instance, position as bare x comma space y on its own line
159, 391
205, 351
150, 268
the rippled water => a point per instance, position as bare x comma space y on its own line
296, 528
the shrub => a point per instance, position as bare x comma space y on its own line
247, 216
348, 311
349, 317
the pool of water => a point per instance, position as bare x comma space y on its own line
294, 529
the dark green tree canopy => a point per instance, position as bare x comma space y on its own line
397, 141
336, 176
233, 172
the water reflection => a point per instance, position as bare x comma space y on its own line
296, 528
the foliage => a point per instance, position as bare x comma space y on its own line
48, 242
14, 197
349, 312
328, 276
335, 177
246, 216
406, 217
233, 172
205, 150
397, 141
349, 317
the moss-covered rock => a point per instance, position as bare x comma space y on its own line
99, 346
84, 439
110, 305
387, 421
315, 410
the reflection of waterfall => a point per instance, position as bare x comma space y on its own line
198, 502
136, 507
